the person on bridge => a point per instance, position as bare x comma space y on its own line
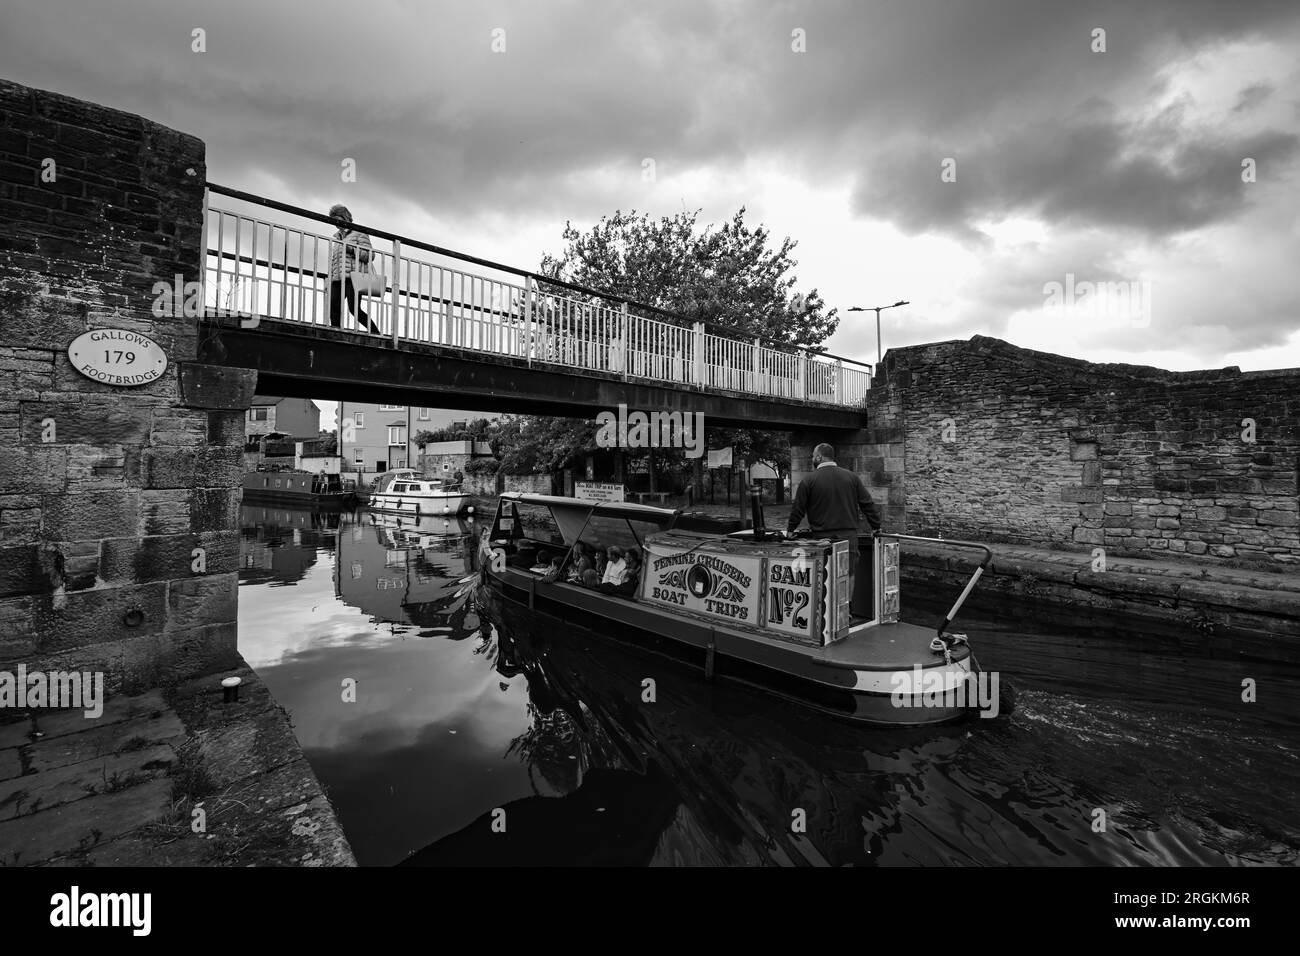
350, 250
832, 498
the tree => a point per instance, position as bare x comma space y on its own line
528, 444
730, 278
477, 430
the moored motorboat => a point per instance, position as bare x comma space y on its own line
406, 491
751, 606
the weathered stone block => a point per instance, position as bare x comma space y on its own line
87, 424
1083, 451
32, 319
213, 386
178, 426
91, 514
23, 571
1081, 494
214, 509
164, 557
99, 615
164, 512
1250, 486
191, 467
1280, 519
43, 468
203, 600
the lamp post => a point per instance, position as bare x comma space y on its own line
878, 309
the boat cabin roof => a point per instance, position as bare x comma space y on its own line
597, 523
616, 508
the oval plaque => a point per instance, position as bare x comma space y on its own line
117, 357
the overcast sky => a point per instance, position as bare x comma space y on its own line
831, 122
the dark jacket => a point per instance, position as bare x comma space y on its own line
832, 497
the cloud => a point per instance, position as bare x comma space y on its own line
1121, 161
1158, 177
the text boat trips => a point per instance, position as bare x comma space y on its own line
405, 491
751, 606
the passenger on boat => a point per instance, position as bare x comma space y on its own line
631, 575
832, 497
612, 573
579, 563
553, 572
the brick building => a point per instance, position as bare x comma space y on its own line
375, 438
298, 418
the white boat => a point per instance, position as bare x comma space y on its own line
405, 491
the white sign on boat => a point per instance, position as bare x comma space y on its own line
117, 357
598, 491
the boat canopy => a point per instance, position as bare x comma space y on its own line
599, 523
588, 505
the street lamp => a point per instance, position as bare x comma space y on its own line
878, 309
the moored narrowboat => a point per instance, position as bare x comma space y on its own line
752, 606
298, 487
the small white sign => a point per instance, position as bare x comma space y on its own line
720, 457
598, 491
117, 357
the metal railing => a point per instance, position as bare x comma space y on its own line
257, 266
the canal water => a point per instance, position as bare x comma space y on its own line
470, 718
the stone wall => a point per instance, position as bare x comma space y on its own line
529, 484
1008, 444
119, 507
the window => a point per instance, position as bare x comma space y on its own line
258, 414
392, 408
401, 463
424, 414
356, 456
399, 489
359, 419
396, 434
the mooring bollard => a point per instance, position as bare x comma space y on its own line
230, 689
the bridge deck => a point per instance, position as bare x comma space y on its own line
298, 360
276, 276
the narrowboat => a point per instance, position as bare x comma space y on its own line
300, 488
406, 491
751, 606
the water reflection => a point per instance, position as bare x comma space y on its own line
469, 714
279, 545
398, 570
